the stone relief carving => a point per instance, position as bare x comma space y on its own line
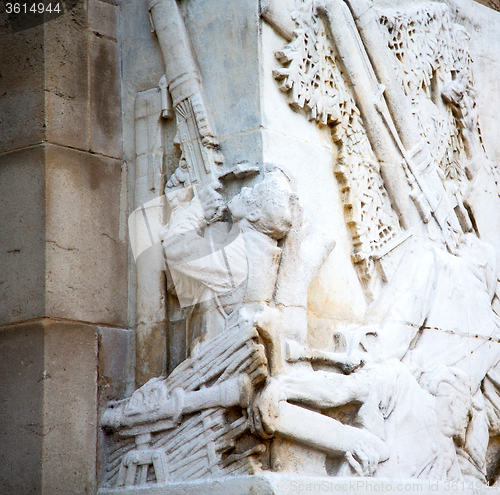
312, 78
435, 66
195, 135
414, 393
194, 422
432, 70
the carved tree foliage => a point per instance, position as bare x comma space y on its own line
313, 80
437, 78
433, 55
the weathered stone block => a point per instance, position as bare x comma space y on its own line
22, 114
61, 253
67, 119
86, 259
21, 417
245, 146
176, 340
139, 44
116, 363
231, 55
70, 408
49, 409
116, 371
22, 237
150, 356
103, 18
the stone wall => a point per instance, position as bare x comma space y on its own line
492, 4
63, 247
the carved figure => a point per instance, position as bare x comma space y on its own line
448, 328
230, 266
433, 419
416, 106
388, 404
191, 423
234, 269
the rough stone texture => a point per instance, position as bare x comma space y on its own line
483, 24
67, 79
49, 381
70, 418
62, 247
116, 378
103, 18
22, 112
150, 322
56, 64
76, 267
21, 418
86, 271
139, 43
176, 339
116, 363
492, 4
105, 97
22, 239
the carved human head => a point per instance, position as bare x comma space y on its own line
266, 206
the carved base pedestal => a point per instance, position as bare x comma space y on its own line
280, 484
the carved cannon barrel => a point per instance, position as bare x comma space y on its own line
180, 67
233, 392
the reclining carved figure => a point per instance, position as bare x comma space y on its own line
428, 344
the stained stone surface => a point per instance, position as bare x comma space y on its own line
492, 4
49, 412
63, 252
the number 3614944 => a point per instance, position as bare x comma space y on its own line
35, 8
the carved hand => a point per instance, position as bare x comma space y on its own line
363, 459
212, 202
179, 177
264, 410
176, 189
